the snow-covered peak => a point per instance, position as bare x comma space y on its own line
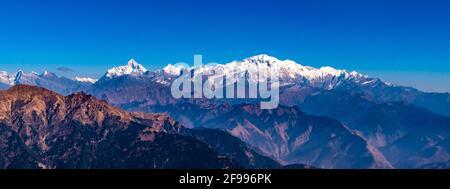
173, 70
290, 72
132, 63
327, 70
132, 68
293, 70
6, 78
287, 68
3, 74
18, 75
85, 79
25, 78
262, 58
45, 74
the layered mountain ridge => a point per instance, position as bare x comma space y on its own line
42, 129
372, 118
46, 79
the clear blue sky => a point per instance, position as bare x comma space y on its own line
401, 41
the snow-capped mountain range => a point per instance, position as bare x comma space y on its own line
290, 72
390, 118
16, 78
46, 79
132, 68
85, 79
292, 76
383, 114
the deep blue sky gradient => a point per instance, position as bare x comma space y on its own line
401, 41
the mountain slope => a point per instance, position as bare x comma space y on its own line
14, 154
49, 81
6, 78
294, 137
290, 72
400, 130
231, 146
285, 133
366, 106
46, 80
79, 131
126, 90
350, 97
293, 77
132, 68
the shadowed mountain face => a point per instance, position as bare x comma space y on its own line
286, 134
296, 138
129, 90
14, 154
400, 130
40, 128
233, 147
